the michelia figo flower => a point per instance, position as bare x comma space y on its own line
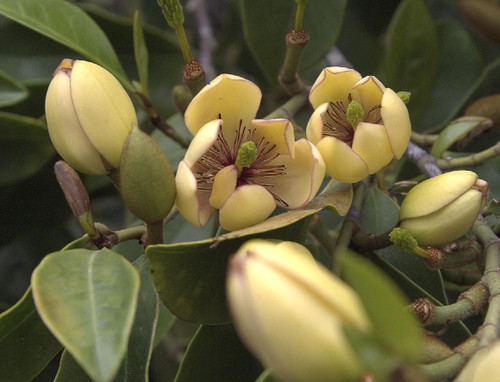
484, 367
242, 166
289, 311
441, 209
89, 116
358, 124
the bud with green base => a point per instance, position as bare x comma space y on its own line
441, 209
89, 116
146, 180
291, 312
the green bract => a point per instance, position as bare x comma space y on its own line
89, 116
441, 209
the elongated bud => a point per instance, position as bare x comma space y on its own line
287, 307
146, 179
89, 116
441, 209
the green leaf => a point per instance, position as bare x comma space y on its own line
266, 24
460, 64
412, 54
11, 91
379, 214
88, 301
394, 326
267, 376
26, 345
25, 147
68, 25
457, 131
69, 370
141, 53
140, 346
216, 354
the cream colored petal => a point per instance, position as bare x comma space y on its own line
371, 143
227, 97
333, 84
304, 176
224, 184
247, 205
370, 91
277, 132
104, 109
202, 142
65, 130
396, 120
447, 224
434, 193
342, 163
314, 129
192, 203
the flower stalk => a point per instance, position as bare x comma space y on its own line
472, 160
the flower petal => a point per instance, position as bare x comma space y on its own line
371, 143
65, 130
248, 205
333, 84
396, 120
314, 129
103, 107
277, 132
227, 97
202, 142
342, 163
224, 184
304, 176
191, 202
370, 92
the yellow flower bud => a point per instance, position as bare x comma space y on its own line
441, 209
484, 367
289, 311
89, 116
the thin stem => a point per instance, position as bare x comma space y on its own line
299, 15
319, 231
289, 78
470, 160
289, 108
184, 43
158, 121
424, 161
461, 276
154, 233
369, 241
424, 139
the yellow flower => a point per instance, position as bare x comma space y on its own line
441, 209
289, 311
89, 116
358, 124
484, 366
242, 166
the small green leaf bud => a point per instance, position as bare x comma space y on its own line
405, 96
247, 154
355, 113
403, 240
172, 10
146, 180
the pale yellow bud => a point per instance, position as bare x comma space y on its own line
484, 366
89, 116
441, 209
290, 312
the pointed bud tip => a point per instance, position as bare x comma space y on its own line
65, 66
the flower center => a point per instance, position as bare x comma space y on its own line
340, 121
255, 157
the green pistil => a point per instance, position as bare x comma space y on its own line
247, 154
404, 241
355, 113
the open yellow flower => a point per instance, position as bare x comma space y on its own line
242, 166
358, 124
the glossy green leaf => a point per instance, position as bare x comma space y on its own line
457, 131
412, 54
140, 346
88, 300
25, 147
459, 66
216, 354
11, 91
70, 371
190, 277
267, 376
26, 345
266, 24
380, 214
68, 25
393, 325
141, 53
